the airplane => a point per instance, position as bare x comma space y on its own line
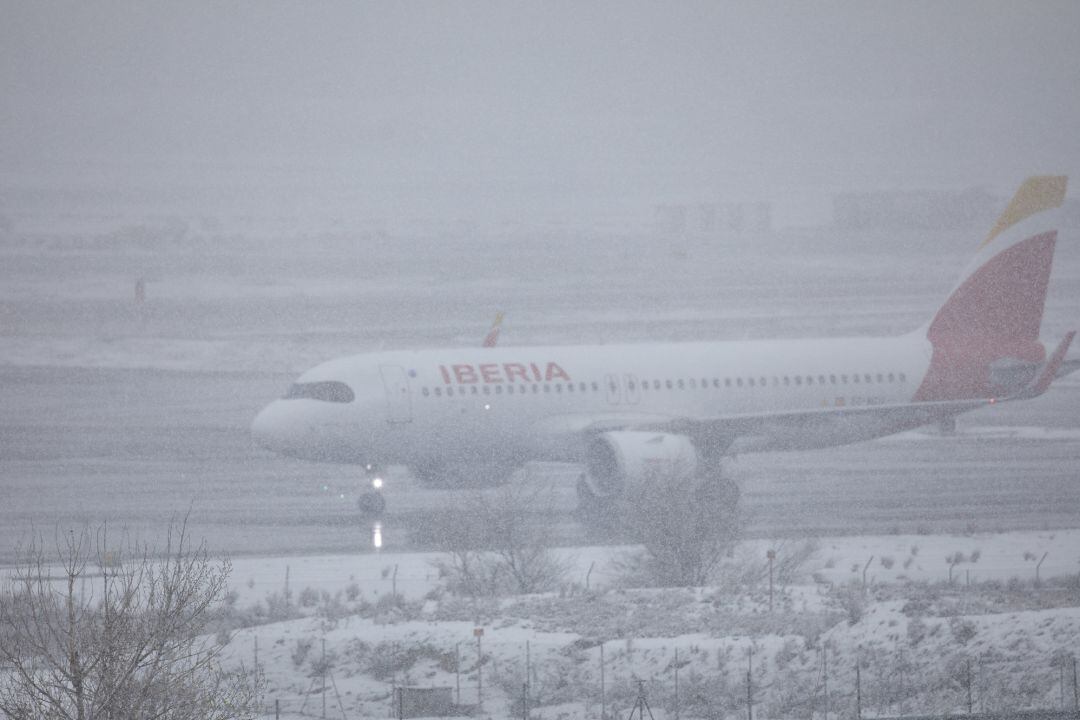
628, 412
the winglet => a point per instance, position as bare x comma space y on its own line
493, 334
1038, 193
1050, 370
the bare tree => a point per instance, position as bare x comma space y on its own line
500, 541
95, 632
459, 531
685, 524
522, 538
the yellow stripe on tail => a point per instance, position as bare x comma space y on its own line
1042, 192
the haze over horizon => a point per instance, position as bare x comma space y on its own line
542, 112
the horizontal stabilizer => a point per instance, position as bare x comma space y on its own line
1050, 370
1068, 367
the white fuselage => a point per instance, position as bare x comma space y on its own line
512, 404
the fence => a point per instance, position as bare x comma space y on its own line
837, 688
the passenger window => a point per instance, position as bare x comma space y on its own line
474, 390
866, 377
449, 392
892, 378
498, 389
843, 379
509, 389
716, 383
821, 379
547, 388
558, 388
809, 379
763, 382
582, 387
630, 385
595, 386
693, 384
486, 390
903, 378
787, 380
536, 389
669, 384
738, 381
425, 392
798, 379
832, 379
750, 382
855, 379
727, 382
569, 387
438, 392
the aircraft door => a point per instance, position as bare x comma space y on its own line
398, 401
614, 392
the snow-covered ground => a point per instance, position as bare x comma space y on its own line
913, 634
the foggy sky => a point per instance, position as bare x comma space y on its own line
540, 109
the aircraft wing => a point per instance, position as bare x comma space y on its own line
733, 434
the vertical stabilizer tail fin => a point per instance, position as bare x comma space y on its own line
994, 314
492, 338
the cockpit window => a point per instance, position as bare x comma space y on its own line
327, 391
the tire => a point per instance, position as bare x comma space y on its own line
371, 504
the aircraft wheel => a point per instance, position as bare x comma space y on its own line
371, 504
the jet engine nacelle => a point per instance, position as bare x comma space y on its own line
615, 458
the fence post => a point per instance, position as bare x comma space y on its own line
1076, 691
603, 699
858, 691
969, 686
1061, 683
825, 672
750, 684
676, 683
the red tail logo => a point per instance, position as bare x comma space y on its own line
994, 314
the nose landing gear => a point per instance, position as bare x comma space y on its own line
371, 503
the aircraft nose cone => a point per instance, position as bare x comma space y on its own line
270, 427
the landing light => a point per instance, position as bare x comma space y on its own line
487, 406
377, 483
376, 536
